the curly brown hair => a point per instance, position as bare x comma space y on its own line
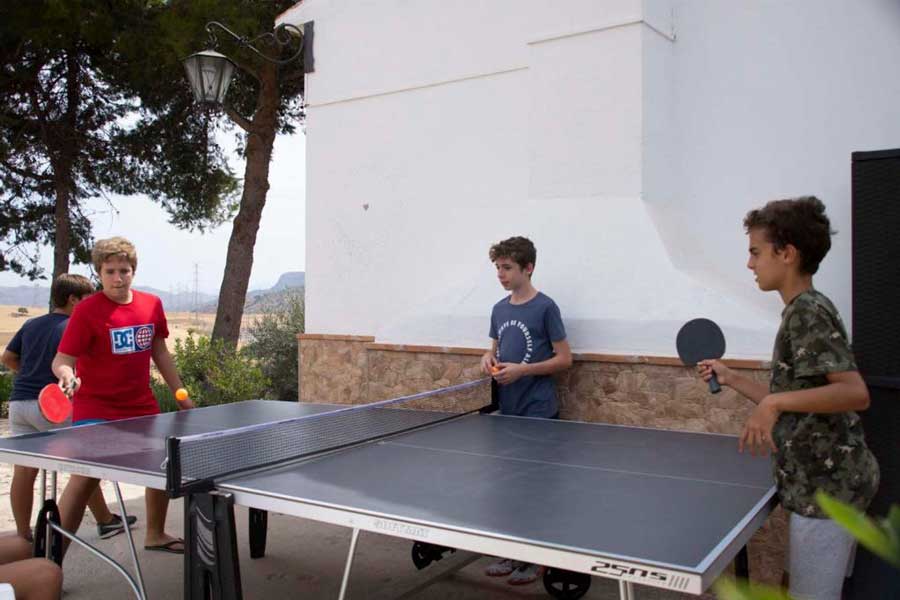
115, 246
800, 222
518, 249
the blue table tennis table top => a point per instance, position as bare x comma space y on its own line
598, 497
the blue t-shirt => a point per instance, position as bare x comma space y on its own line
36, 343
524, 333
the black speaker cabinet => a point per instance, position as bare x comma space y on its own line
876, 341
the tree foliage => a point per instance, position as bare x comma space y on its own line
264, 100
93, 101
273, 345
213, 374
73, 126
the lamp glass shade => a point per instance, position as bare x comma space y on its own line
210, 75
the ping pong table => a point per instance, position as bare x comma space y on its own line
660, 508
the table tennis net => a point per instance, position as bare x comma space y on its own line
211, 456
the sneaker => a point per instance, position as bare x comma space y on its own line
501, 567
526, 573
114, 527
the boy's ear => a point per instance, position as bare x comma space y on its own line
790, 254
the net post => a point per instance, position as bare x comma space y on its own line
494, 406
173, 467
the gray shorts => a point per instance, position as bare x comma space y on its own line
820, 555
25, 417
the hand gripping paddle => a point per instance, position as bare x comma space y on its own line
54, 404
701, 339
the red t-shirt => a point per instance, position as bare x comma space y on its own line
112, 344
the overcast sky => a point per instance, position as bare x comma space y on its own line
166, 255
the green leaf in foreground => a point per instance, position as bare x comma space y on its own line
731, 589
882, 539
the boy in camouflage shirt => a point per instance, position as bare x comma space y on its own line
806, 415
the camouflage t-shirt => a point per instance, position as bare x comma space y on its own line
817, 450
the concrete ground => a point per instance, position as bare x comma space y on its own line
304, 559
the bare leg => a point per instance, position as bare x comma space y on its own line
97, 504
73, 502
157, 506
21, 498
32, 578
13, 548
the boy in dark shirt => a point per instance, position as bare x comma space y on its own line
528, 345
29, 354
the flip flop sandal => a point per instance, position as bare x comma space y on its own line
167, 547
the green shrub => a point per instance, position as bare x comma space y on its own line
273, 345
164, 397
6, 383
212, 374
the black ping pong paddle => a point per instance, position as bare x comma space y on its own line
701, 339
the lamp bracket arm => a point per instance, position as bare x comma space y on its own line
282, 36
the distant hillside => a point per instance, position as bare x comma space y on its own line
257, 300
181, 301
24, 295
293, 279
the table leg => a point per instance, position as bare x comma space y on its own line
137, 564
43, 502
742, 564
626, 590
258, 522
354, 538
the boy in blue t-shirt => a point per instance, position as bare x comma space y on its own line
528, 345
29, 355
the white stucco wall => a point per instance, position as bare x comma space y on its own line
627, 139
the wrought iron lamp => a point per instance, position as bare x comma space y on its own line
210, 72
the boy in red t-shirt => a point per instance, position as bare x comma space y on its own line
110, 340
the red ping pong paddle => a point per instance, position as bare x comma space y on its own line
54, 404
701, 339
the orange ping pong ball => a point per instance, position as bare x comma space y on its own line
181, 394
495, 369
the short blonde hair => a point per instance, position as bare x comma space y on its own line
115, 246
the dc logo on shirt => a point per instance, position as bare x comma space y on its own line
127, 340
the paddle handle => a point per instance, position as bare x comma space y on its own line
714, 387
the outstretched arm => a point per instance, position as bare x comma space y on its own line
845, 391
166, 365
